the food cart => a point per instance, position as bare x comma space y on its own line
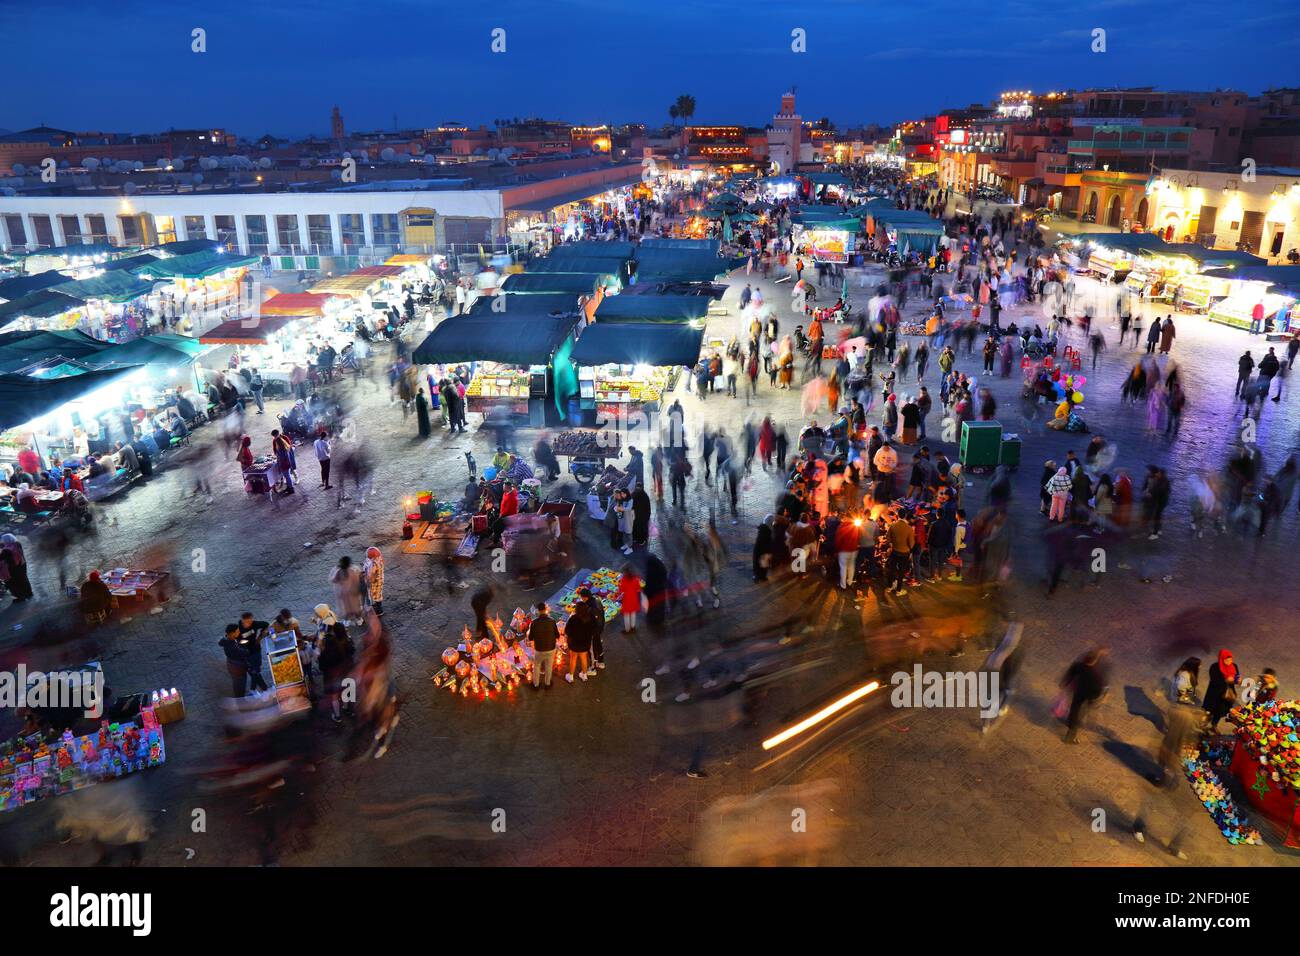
496, 387
288, 676
587, 450
1197, 293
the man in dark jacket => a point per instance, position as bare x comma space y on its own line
1087, 679
596, 618
236, 660
542, 632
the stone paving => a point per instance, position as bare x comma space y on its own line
592, 774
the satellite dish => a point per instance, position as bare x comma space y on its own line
20, 168
178, 164
265, 162
493, 153
430, 159
336, 173
198, 179
388, 155
90, 162
128, 188
7, 191
162, 162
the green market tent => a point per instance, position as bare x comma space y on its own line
713, 246
639, 343
111, 287
577, 283
44, 304
129, 263
39, 344
611, 267
20, 286
545, 303
161, 351
184, 247
1148, 243
652, 308
195, 265
657, 264
597, 248
828, 179
24, 398
496, 337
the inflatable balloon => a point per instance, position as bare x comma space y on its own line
1077, 398
1080, 380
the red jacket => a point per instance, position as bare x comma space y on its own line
510, 503
846, 537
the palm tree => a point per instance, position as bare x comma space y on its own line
685, 107
674, 112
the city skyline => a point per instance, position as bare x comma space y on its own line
860, 67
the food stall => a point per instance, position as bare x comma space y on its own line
288, 677
513, 355
1278, 287
631, 364
1195, 292
199, 281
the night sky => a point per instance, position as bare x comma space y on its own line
280, 66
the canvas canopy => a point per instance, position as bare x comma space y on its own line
639, 343
25, 398
43, 304
652, 308
577, 283
195, 265
110, 287
496, 337
248, 331
41, 344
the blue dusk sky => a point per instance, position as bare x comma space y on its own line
280, 65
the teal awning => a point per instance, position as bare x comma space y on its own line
645, 343
195, 265
111, 287
652, 308
578, 283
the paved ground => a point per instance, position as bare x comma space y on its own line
593, 774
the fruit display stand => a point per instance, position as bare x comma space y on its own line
498, 386
32, 769
1266, 761
288, 678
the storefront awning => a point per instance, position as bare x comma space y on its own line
129, 263
496, 337
378, 272
39, 344
24, 398
638, 343
610, 267
254, 330
652, 308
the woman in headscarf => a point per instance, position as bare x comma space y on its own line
347, 590
13, 569
763, 549
1221, 689
422, 414
245, 454
374, 571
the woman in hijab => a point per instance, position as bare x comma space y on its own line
1221, 689
245, 454
763, 549
13, 569
422, 414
